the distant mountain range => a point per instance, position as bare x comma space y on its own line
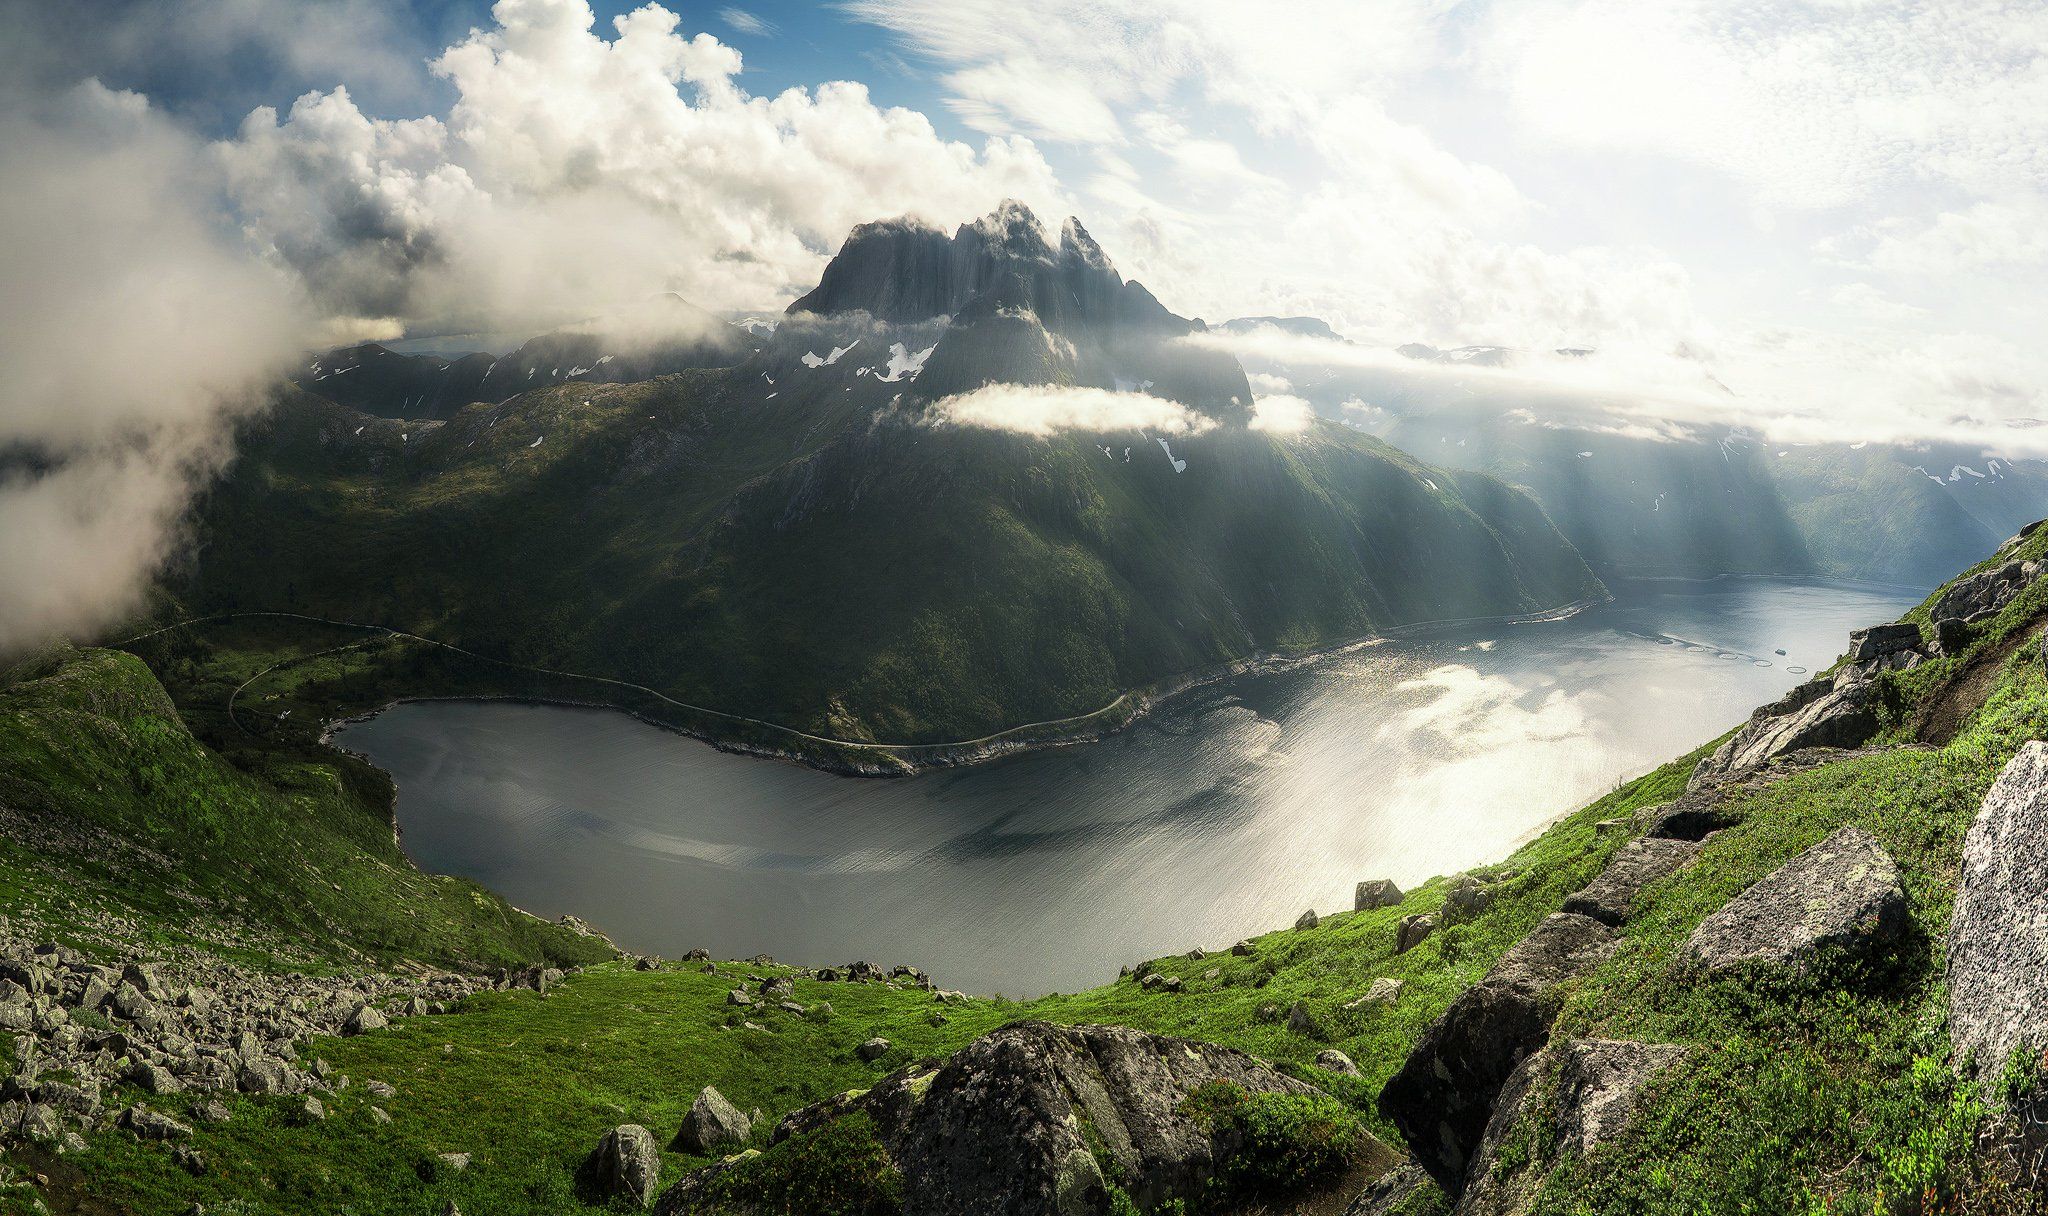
801, 535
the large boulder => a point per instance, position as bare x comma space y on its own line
1375, 893
1845, 716
1634, 866
1998, 935
1443, 1094
625, 1166
1586, 1089
1841, 899
1023, 1120
712, 1124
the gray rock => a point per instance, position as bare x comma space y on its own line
364, 1019
1243, 949
1413, 930
262, 1077
1634, 866
1383, 991
1840, 898
1977, 598
1998, 934
455, 1163
1307, 920
781, 988
711, 1124
626, 1165
738, 996
998, 1128
1301, 1021
1596, 1084
1837, 717
147, 1124
1443, 1094
1332, 1060
1375, 893
1881, 641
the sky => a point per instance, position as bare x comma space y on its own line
1822, 219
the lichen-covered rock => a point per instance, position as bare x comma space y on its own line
626, 1165
1841, 898
1998, 935
1022, 1121
1634, 866
1585, 1088
711, 1124
1443, 1094
1332, 1060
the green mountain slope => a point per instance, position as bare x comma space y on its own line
803, 555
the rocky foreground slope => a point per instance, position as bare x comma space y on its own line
1762, 978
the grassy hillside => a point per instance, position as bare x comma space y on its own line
789, 554
123, 827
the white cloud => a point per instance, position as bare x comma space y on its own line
2000, 237
132, 334
744, 22
577, 172
1282, 414
1043, 411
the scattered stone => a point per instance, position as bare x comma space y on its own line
379, 1115
1842, 897
1303, 1022
1466, 898
1173, 984
1634, 866
1306, 920
312, 1110
1384, 991
1412, 931
1212, 973
1332, 1060
872, 1050
212, 1111
781, 988
455, 1162
1998, 934
626, 1165
380, 1089
738, 996
1243, 949
1375, 893
363, 1020
1443, 1094
712, 1123
1198, 954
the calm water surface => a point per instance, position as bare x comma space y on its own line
1224, 815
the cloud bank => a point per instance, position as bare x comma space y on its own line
1044, 411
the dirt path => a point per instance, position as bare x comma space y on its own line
1941, 718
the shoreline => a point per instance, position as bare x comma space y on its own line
847, 758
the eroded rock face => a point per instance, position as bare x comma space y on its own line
1586, 1088
1998, 936
998, 1127
1840, 898
1444, 1093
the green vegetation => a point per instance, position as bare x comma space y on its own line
1275, 1145
839, 1169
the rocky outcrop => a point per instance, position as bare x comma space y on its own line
1443, 1095
1976, 598
1391, 1193
1838, 711
1839, 899
1586, 1089
625, 1166
1023, 1121
1634, 866
1998, 934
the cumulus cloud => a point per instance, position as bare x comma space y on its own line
134, 332
1282, 414
577, 170
1044, 411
